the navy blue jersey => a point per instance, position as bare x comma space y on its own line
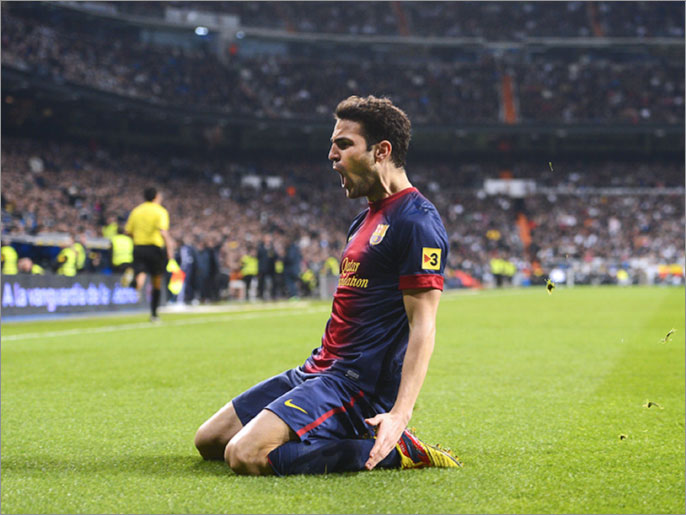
398, 243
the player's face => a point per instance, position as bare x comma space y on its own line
353, 161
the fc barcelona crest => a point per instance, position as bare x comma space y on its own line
378, 235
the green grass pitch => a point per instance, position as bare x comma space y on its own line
531, 390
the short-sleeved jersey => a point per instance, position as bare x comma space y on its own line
398, 243
145, 223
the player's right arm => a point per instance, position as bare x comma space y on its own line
421, 306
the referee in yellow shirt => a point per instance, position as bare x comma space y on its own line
148, 225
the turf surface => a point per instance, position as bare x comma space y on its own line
531, 390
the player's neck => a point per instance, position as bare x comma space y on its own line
391, 181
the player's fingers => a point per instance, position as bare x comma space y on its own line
373, 459
377, 455
382, 446
374, 421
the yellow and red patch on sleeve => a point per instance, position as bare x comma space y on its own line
431, 258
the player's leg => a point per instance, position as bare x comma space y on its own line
248, 451
156, 281
326, 456
213, 436
157, 266
327, 416
268, 445
139, 266
140, 280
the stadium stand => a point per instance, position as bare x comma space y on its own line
491, 20
574, 85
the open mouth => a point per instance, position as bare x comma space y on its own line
342, 176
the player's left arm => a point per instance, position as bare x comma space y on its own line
421, 306
168, 243
166, 236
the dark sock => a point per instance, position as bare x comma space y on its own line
155, 301
324, 456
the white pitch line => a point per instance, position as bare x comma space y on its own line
227, 317
147, 325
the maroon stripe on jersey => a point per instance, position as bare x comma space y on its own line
408, 282
330, 413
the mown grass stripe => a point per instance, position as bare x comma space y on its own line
148, 325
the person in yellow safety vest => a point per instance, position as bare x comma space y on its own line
9, 259
278, 277
110, 229
80, 250
497, 269
122, 251
331, 266
309, 281
66, 259
249, 269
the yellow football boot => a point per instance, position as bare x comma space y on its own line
416, 454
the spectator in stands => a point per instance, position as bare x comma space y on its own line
121, 250
292, 263
266, 267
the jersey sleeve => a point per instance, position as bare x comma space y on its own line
423, 252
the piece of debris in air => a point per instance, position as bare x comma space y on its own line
651, 404
668, 337
550, 286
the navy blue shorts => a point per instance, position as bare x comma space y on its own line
314, 406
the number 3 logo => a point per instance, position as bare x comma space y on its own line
431, 258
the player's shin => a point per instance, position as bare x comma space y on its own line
326, 456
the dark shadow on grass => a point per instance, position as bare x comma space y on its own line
162, 465
179, 466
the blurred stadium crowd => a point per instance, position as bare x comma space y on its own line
578, 86
594, 218
636, 222
463, 19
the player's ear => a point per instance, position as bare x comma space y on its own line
382, 150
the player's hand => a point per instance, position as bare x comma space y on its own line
389, 427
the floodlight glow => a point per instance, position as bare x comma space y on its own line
201, 31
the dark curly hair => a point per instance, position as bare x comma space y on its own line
380, 120
149, 194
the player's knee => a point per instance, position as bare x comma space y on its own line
243, 460
233, 457
209, 443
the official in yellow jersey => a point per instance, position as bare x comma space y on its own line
148, 225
